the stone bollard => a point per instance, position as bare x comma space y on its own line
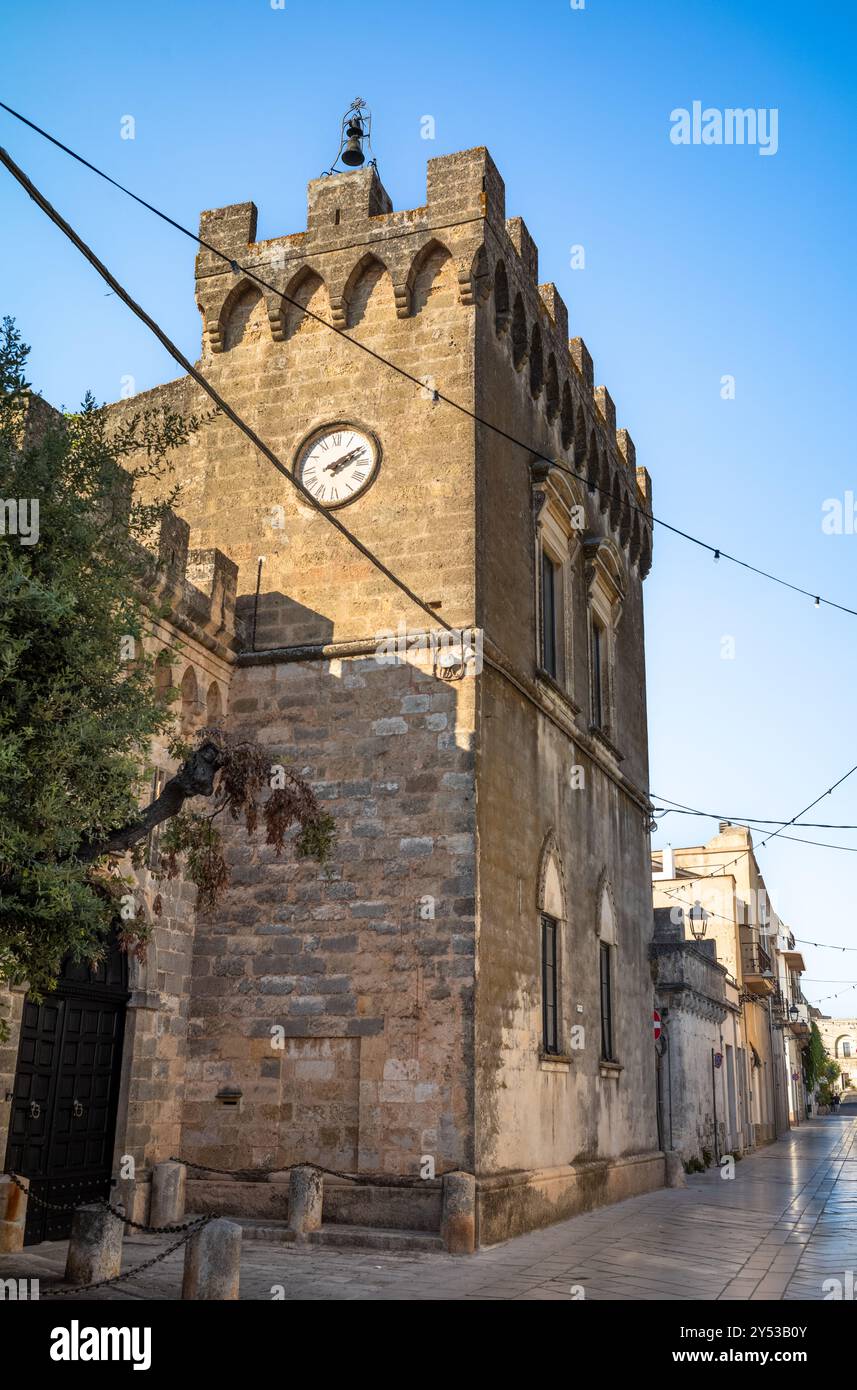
168, 1194
458, 1221
95, 1246
13, 1215
674, 1169
212, 1262
306, 1193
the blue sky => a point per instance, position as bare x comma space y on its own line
701, 261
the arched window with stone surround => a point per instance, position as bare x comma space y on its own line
606, 585
551, 919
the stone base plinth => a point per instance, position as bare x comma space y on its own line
513, 1203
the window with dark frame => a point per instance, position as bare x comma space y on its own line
606, 1002
599, 675
550, 985
549, 654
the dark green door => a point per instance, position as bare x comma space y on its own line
63, 1119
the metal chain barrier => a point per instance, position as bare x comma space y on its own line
187, 1230
249, 1174
104, 1202
129, 1273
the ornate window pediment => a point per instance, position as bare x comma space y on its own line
550, 893
604, 572
606, 925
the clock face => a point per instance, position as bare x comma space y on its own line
338, 463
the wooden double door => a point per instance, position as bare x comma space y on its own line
66, 1095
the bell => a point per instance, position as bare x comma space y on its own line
353, 153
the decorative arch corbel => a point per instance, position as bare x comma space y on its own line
365, 263
220, 321
502, 301
625, 520
283, 315
474, 277
645, 552
615, 500
636, 538
604, 480
404, 289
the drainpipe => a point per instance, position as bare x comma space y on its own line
774, 1073
714, 1098
670, 1084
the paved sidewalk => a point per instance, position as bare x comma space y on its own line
784, 1225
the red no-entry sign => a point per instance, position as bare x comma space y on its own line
656, 1019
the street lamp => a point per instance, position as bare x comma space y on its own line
698, 918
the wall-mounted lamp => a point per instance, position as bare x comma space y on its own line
698, 919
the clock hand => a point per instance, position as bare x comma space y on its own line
339, 464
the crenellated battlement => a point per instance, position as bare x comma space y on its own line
195, 589
352, 228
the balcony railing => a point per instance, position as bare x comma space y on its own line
756, 962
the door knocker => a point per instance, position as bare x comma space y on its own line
35, 1109
77, 1109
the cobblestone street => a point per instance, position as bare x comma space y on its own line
784, 1225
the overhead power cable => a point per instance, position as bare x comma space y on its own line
749, 825
680, 808
717, 552
824, 945
801, 940
219, 401
721, 868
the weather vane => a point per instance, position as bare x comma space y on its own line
354, 137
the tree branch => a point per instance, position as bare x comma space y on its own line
195, 777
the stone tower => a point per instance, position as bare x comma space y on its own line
468, 981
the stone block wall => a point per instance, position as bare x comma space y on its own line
339, 1001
